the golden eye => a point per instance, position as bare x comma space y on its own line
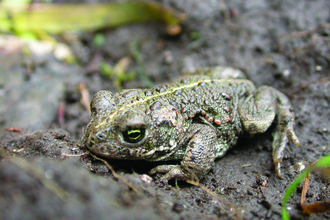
134, 135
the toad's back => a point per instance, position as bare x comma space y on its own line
203, 99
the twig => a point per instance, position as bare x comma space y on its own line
115, 174
76, 155
304, 190
232, 208
84, 100
13, 129
61, 109
303, 86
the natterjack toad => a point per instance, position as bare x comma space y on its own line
195, 120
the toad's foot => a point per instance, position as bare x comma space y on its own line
283, 132
173, 172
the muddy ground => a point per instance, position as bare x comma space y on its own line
284, 44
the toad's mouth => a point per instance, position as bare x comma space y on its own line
111, 150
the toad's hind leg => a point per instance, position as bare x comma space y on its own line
257, 113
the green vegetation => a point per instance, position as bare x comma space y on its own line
324, 162
21, 17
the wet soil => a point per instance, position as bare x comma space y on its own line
46, 175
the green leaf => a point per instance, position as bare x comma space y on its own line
58, 18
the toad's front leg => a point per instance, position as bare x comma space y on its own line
257, 113
198, 158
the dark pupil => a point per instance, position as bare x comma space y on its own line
134, 135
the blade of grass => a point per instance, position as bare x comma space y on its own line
323, 162
294, 185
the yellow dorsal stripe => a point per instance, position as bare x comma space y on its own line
168, 92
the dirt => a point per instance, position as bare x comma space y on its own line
46, 175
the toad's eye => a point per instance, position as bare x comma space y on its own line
134, 135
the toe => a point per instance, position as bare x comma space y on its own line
293, 137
